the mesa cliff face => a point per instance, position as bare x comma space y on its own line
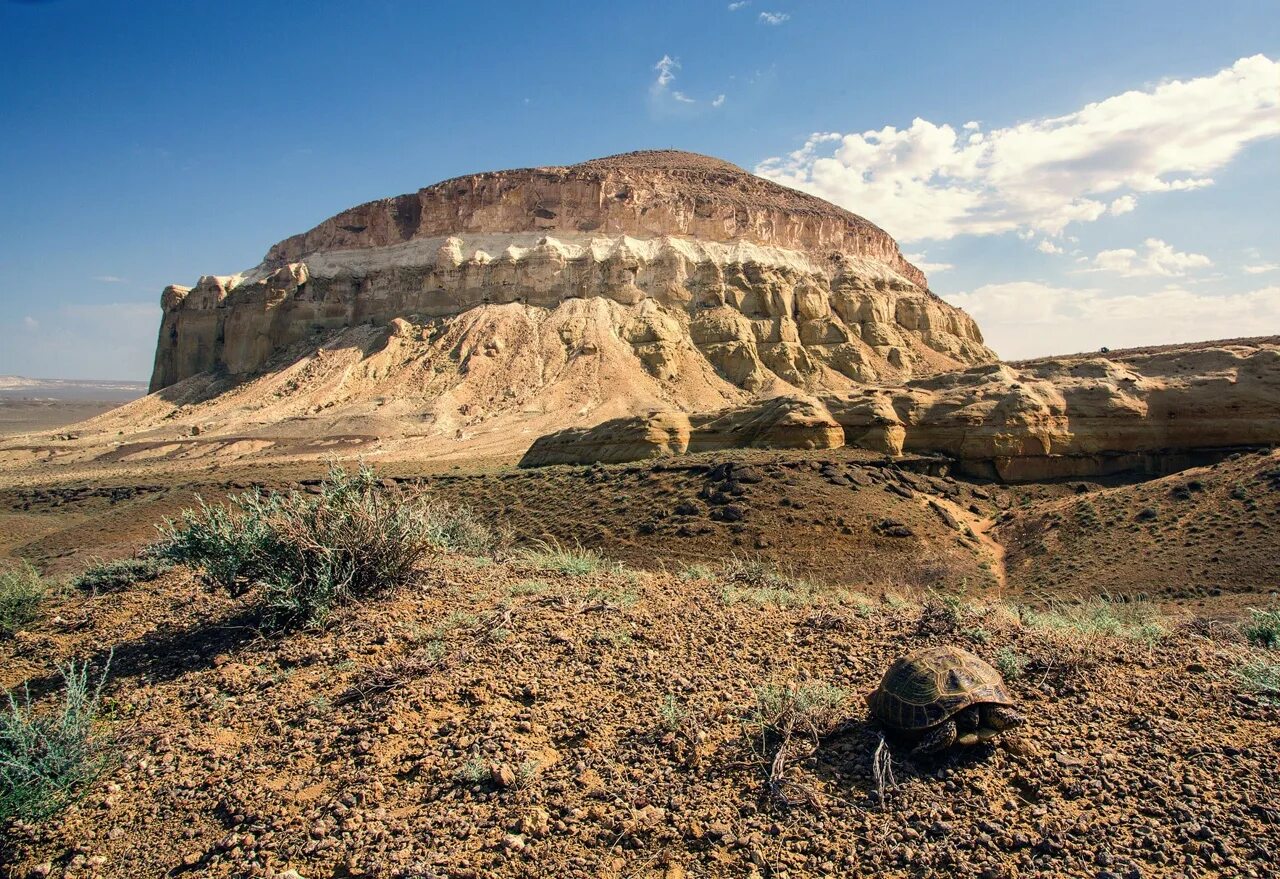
768, 285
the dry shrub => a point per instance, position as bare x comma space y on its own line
782, 714
309, 553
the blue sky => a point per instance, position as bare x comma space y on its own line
1121, 190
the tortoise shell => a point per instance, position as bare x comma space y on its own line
925, 688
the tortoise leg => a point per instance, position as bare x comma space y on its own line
1001, 717
938, 739
967, 726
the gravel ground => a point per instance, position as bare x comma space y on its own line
498, 720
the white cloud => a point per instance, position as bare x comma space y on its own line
30, 323
664, 100
1030, 319
109, 279
1047, 246
774, 18
734, 7
666, 67
929, 182
1263, 268
921, 261
1123, 205
1157, 258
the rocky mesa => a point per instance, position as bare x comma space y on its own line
765, 283
646, 304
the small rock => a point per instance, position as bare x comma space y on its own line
502, 775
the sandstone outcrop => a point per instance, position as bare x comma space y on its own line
1057, 417
790, 422
766, 284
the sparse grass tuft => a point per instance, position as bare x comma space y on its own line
529, 587
120, 573
755, 582
527, 774
457, 529
781, 714
310, 553
22, 590
1261, 676
1137, 620
673, 714
1263, 628
811, 708
574, 560
474, 771
47, 760
697, 572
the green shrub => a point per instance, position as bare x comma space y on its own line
22, 589
812, 709
1263, 628
310, 553
46, 761
697, 572
117, 574
1011, 664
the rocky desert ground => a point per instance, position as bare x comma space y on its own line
664, 465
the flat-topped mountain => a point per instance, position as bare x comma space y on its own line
646, 194
712, 275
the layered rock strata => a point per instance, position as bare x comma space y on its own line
1052, 418
791, 422
768, 284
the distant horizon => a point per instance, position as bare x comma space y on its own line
1067, 185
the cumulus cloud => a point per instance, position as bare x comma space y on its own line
1030, 319
774, 18
1262, 268
734, 7
1123, 205
1157, 258
1047, 246
719, 100
929, 181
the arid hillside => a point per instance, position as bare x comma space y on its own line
1195, 536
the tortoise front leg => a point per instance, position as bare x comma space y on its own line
1001, 717
938, 739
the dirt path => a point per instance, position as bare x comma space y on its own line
981, 527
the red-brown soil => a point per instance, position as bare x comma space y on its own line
348, 752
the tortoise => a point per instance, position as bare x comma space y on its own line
944, 696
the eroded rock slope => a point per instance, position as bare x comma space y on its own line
764, 283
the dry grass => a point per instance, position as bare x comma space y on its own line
783, 713
22, 590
